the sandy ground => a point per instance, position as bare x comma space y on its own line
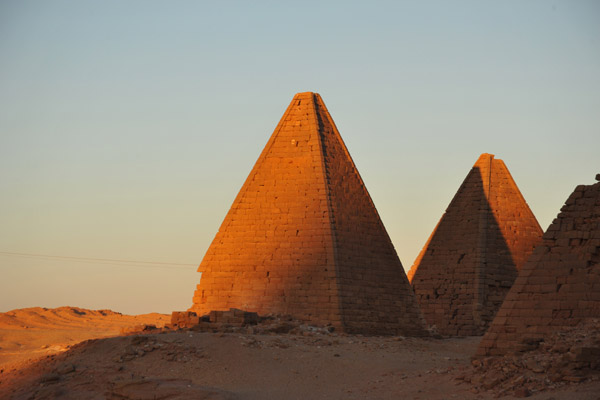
30, 333
200, 365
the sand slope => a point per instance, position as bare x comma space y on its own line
230, 363
223, 366
30, 333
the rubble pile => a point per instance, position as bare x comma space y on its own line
566, 357
234, 321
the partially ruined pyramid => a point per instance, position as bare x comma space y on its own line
559, 286
303, 237
472, 257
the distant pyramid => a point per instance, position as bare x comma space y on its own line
472, 257
559, 286
304, 238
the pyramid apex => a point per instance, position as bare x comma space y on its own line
484, 158
304, 95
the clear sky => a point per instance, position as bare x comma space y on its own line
128, 127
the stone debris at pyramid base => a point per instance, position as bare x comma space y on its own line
240, 321
234, 316
303, 238
473, 255
538, 364
559, 286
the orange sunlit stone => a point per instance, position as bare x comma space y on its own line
304, 238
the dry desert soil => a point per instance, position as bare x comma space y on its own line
72, 353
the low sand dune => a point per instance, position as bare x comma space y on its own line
237, 365
30, 333
276, 359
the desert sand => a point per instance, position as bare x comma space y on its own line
30, 333
229, 363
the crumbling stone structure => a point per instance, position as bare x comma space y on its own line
559, 286
472, 257
303, 238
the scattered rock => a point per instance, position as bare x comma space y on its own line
64, 369
283, 327
493, 379
530, 343
50, 378
172, 389
567, 357
521, 392
533, 365
137, 329
137, 340
239, 321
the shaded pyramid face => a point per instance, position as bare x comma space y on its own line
304, 238
472, 257
559, 286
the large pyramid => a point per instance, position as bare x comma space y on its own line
304, 238
472, 257
559, 286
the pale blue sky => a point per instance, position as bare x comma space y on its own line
128, 127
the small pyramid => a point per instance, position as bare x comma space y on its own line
559, 286
472, 257
303, 238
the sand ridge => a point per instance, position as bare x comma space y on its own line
30, 333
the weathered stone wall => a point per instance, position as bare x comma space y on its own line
303, 237
471, 259
559, 286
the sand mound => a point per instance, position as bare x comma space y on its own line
313, 364
307, 365
31, 333
274, 359
72, 318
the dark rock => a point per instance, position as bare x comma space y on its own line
50, 378
137, 340
533, 365
573, 378
283, 327
522, 392
492, 380
64, 369
586, 354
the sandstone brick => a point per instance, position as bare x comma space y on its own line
572, 266
303, 237
472, 257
